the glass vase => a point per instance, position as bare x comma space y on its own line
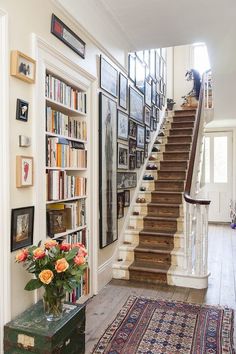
53, 300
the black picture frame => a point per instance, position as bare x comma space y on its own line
22, 227
147, 115
22, 110
123, 91
138, 159
148, 135
132, 129
126, 198
135, 105
148, 94
140, 75
122, 156
107, 166
132, 162
120, 205
132, 146
152, 124
122, 125
140, 136
154, 91
146, 150
67, 36
126, 180
142, 157
132, 67
108, 77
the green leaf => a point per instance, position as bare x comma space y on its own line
33, 284
71, 254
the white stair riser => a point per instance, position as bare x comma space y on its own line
178, 242
147, 196
126, 255
133, 238
177, 260
149, 185
136, 223
140, 208
120, 274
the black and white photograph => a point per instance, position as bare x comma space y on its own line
140, 137
107, 166
135, 105
22, 109
123, 91
122, 156
153, 63
132, 146
120, 205
22, 225
127, 198
140, 75
158, 101
132, 129
108, 77
132, 162
146, 150
142, 157
148, 135
138, 159
122, 125
132, 66
151, 124
126, 180
154, 91
148, 94
147, 114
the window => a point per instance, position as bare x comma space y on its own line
200, 58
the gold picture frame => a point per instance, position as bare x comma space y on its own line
22, 66
24, 171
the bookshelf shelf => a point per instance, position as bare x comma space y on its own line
66, 137
69, 231
63, 108
66, 168
66, 199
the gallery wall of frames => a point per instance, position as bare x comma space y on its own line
129, 110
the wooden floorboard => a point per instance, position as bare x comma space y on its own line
103, 308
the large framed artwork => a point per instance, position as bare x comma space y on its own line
107, 166
126, 180
108, 77
135, 105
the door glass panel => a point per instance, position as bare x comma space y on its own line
207, 160
220, 159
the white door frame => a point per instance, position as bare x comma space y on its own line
5, 278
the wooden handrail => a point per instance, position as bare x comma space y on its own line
187, 190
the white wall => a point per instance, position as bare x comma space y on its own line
170, 72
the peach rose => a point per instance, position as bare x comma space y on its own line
22, 255
64, 246
61, 265
77, 244
50, 243
79, 260
82, 250
46, 276
38, 253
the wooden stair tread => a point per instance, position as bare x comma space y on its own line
179, 136
166, 161
156, 233
165, 218
176, 144
156, 250
146, 267
163, 205
169, 192
176, 152
164, 170
169, 181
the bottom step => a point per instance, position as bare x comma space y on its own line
148, 273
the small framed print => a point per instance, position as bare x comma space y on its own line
135, 105
140, 75
123, 91
148, 94
147, 115
126, 180
108, 77
154, 92
140, 137
122, 156
24, 171
132, 67
122, 125
148, 135
127, 198
142, 157
146, 150
22, 109
56, 222
154, 125
132, 162
132, 146
151, 124
138, 159
23, 67
120, 205
22, 226
132, 129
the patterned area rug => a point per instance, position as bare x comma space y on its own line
148, 326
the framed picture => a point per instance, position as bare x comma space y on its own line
107, 166
132, 129
154, 125
147, 114
140, 54
67, 36
120, 205
108, 77
123, 91
158, 101
132, 146
140, 75
148, 135
132, 67
135, 105
22, 227
122, 125
151, 124
56, 222
148, 94
23, 67
24, 171
146, 150
142, 157
22, 109
122, 156
153, 63
146, 57
158, 63
138, 159
127, 198
154, 92
126, 180
132, 162
140, 137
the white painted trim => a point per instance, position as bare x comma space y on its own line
179, 278
105, 273
5, 298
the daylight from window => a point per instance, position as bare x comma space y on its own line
201, 61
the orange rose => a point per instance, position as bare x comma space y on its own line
79, 260
50, 243
46, 276
64, 246
61, 265
78, 244
82, 252
38, 253
22, 255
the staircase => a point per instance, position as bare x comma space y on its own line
154, 240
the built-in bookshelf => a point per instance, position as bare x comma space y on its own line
66, 187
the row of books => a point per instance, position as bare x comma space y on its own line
59, 123
63, 153
59, 91
60, 185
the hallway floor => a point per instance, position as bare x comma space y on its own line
102, 309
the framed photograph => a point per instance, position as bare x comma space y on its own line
67, 36
140, 137
24, 171
126, 180
22, 109
154, 92
140, 75
148, 135
146, 150
107, 166
132, 67
127, 198
147, 114
108, 77
132, 146
158, 101
122, 125
148, 94
154, 125
123, 91
56, 222
138, 159
142, 157
132, 129
122, 156
151, 124
22, 227
23, 67
120, 205
132, 162
158, 63
135, 105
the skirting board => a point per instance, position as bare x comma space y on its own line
105, 273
